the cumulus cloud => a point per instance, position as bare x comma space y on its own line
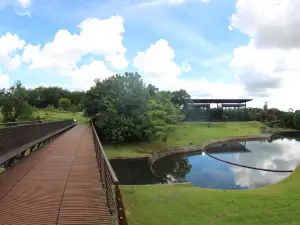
268, 66
97, 37
9, 45
83, 77
157, 65
270, 23
118, 62
157, 61
4, 80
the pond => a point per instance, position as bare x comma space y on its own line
204, 171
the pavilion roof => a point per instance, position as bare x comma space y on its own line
232, 101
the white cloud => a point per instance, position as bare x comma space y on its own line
268, 66
4, 80
118, 62
84, 76
158, 67
97, 37
9, 45
186, 67
157, 61
25, 3
171, 2
271, 23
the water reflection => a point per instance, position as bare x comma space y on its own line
134, 172
280, 154
206, 172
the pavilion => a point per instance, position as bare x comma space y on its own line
217, 110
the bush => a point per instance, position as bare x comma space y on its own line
296, 120
50, 108
75, 109
64, 103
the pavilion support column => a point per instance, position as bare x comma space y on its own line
238, 111
246, 116
222, 111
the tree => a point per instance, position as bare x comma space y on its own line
161, 117
125, 109
180, 98
296, 120
14, 104
41, 97
64, 103
152, 89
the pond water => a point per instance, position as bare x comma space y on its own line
134, 172
205, 172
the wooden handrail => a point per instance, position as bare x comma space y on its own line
109, 181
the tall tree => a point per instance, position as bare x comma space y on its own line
297, 119
14, 105
124, 109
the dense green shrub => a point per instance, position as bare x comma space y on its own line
125, 109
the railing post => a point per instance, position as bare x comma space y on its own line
108, 180
121, 214
106, 190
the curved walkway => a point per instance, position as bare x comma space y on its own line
58, 184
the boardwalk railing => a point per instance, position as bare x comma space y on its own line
12, 124
16, 140
110, 182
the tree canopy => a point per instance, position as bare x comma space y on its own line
124, 108
14, 103
42, 97
64, 103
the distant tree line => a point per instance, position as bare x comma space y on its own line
274, 117
122, 107
18, 103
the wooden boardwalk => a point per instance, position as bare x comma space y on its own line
58, 184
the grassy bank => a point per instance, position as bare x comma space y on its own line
186, 205
59, 115
183, 204
192, 133
63, 116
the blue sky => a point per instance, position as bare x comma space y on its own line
219, 62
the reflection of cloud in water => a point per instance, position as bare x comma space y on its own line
278, 155
256, 178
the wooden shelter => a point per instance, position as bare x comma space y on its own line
218, 109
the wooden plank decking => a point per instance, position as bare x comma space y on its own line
58, 184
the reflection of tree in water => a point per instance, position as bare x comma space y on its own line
173, 167
134, 172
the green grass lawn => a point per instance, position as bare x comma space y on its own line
63, 116
59, 115
182, 204
190, 133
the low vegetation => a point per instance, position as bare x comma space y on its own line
185, 134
